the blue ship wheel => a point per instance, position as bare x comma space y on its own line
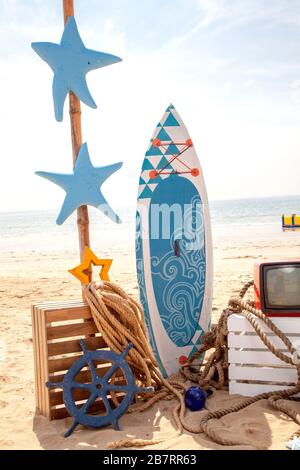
99, 387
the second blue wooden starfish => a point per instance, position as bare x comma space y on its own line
83, 186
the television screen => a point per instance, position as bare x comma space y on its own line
282, 286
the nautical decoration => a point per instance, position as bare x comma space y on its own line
195, 398
99, 387
90, 258
173, 244
70, 61
83, 187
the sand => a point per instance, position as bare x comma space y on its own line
32, 277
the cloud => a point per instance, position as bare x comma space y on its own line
219, 16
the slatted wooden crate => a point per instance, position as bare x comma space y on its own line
253, 368
57, 328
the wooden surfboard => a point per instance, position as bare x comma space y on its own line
173, 245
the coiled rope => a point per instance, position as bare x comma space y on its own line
215, 371
120, 320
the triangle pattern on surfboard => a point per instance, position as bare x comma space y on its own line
172, 150
154, 161
164, 176
152, 186
164, 163
147, 165
146, 176
199, 340
169, 108
147, 193
141, 189
155, 180
171, 121
163, 136
153, 151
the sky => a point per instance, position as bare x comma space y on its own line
230, 67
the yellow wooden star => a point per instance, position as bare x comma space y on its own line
90, 258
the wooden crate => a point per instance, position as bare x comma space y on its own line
57, 328
253, 368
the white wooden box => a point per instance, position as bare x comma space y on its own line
253, 369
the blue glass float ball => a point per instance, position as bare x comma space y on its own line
195, 398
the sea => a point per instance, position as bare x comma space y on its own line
232, 221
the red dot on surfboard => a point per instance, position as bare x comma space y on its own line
195, 172
189, 142
156, 143
182, 359
153, 174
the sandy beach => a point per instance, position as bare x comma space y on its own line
35, 276
155, 117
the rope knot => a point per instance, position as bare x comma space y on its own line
234, 305
209, 338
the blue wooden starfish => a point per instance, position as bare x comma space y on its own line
83, 186
71, 61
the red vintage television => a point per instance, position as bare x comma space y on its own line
277, 287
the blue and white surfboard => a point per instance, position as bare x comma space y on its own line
173, 245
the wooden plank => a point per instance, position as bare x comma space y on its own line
64, 363
56, 307
97, 407
37, 312
59, 413
61, 364
68, 313
85, 375
35, 342
72, 330
250, 390
267, 374
56, 398
254, 342
41, 356
56, 304
249, 356
287, 325
36, 355
45, 366
72, 346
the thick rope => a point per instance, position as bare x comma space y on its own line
218, 362
132, 443
120, 320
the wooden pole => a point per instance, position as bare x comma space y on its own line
76, 135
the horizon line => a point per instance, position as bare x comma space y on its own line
11, 211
